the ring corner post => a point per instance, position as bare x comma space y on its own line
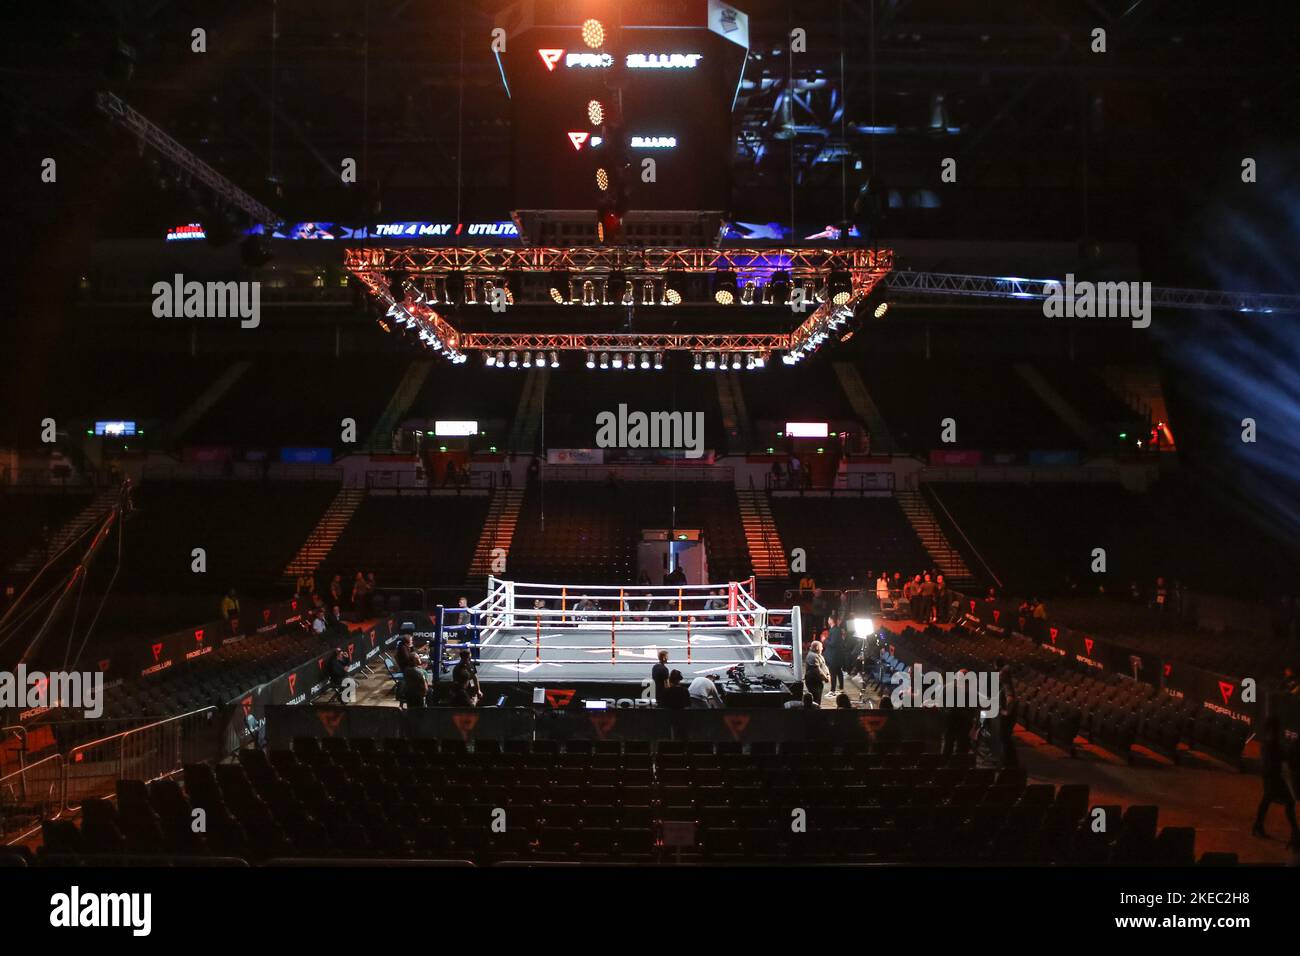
436, 652
796, 641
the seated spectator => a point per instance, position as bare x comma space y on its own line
842, 702
338, 672
797, 703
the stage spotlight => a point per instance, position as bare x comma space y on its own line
471, 293
645, 360
541, 360
555, 360
591, 360
747, 294
631, 361
648, 292
596, 113
659, 360
779, 287
618, 360
629, 293
602, 179
559, 287
711, 361
759, 361
874, 304
528, 360
514, 360
588, 292
501, 360
593, 33
724, 288
735, 362
697, 361
397, 285
674, 283
489, 359
841, 286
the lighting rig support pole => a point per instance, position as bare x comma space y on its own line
150, 134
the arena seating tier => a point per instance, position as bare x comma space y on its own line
27, 518
993, 407
845, 537
408, 540
573, 401
603, 802
250, 531
300, 403
592, 529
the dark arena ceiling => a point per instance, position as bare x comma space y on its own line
1052, 140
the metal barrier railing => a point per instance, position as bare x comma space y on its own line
143, 753
29, 795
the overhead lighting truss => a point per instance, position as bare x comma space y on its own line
374, 267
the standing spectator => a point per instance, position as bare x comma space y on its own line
336, 590
415, 688
912, 595
660, 674
927, 600
230, 608
882, 590
1279, 779
942, 601
358, 595
372, 596
465, 690
676, 695
816, 675
836, 652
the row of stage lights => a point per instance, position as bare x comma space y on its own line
625, 360
648, 291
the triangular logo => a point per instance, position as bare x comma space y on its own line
559, 698
550, 58
330, 720
997, 615
157, 651
1169, 669
736, 723
872, 723
293, 682
577, 139
198, 635
247, 704
603, 723
1226, 688
1052, 632
1087, 646
465, 723
103, 665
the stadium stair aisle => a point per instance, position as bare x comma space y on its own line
209, 397
326, 533
404, 395
68, 532
498, 532
766, 553
947, 558
855, 389
1057, 402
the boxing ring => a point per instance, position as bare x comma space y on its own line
547, 633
